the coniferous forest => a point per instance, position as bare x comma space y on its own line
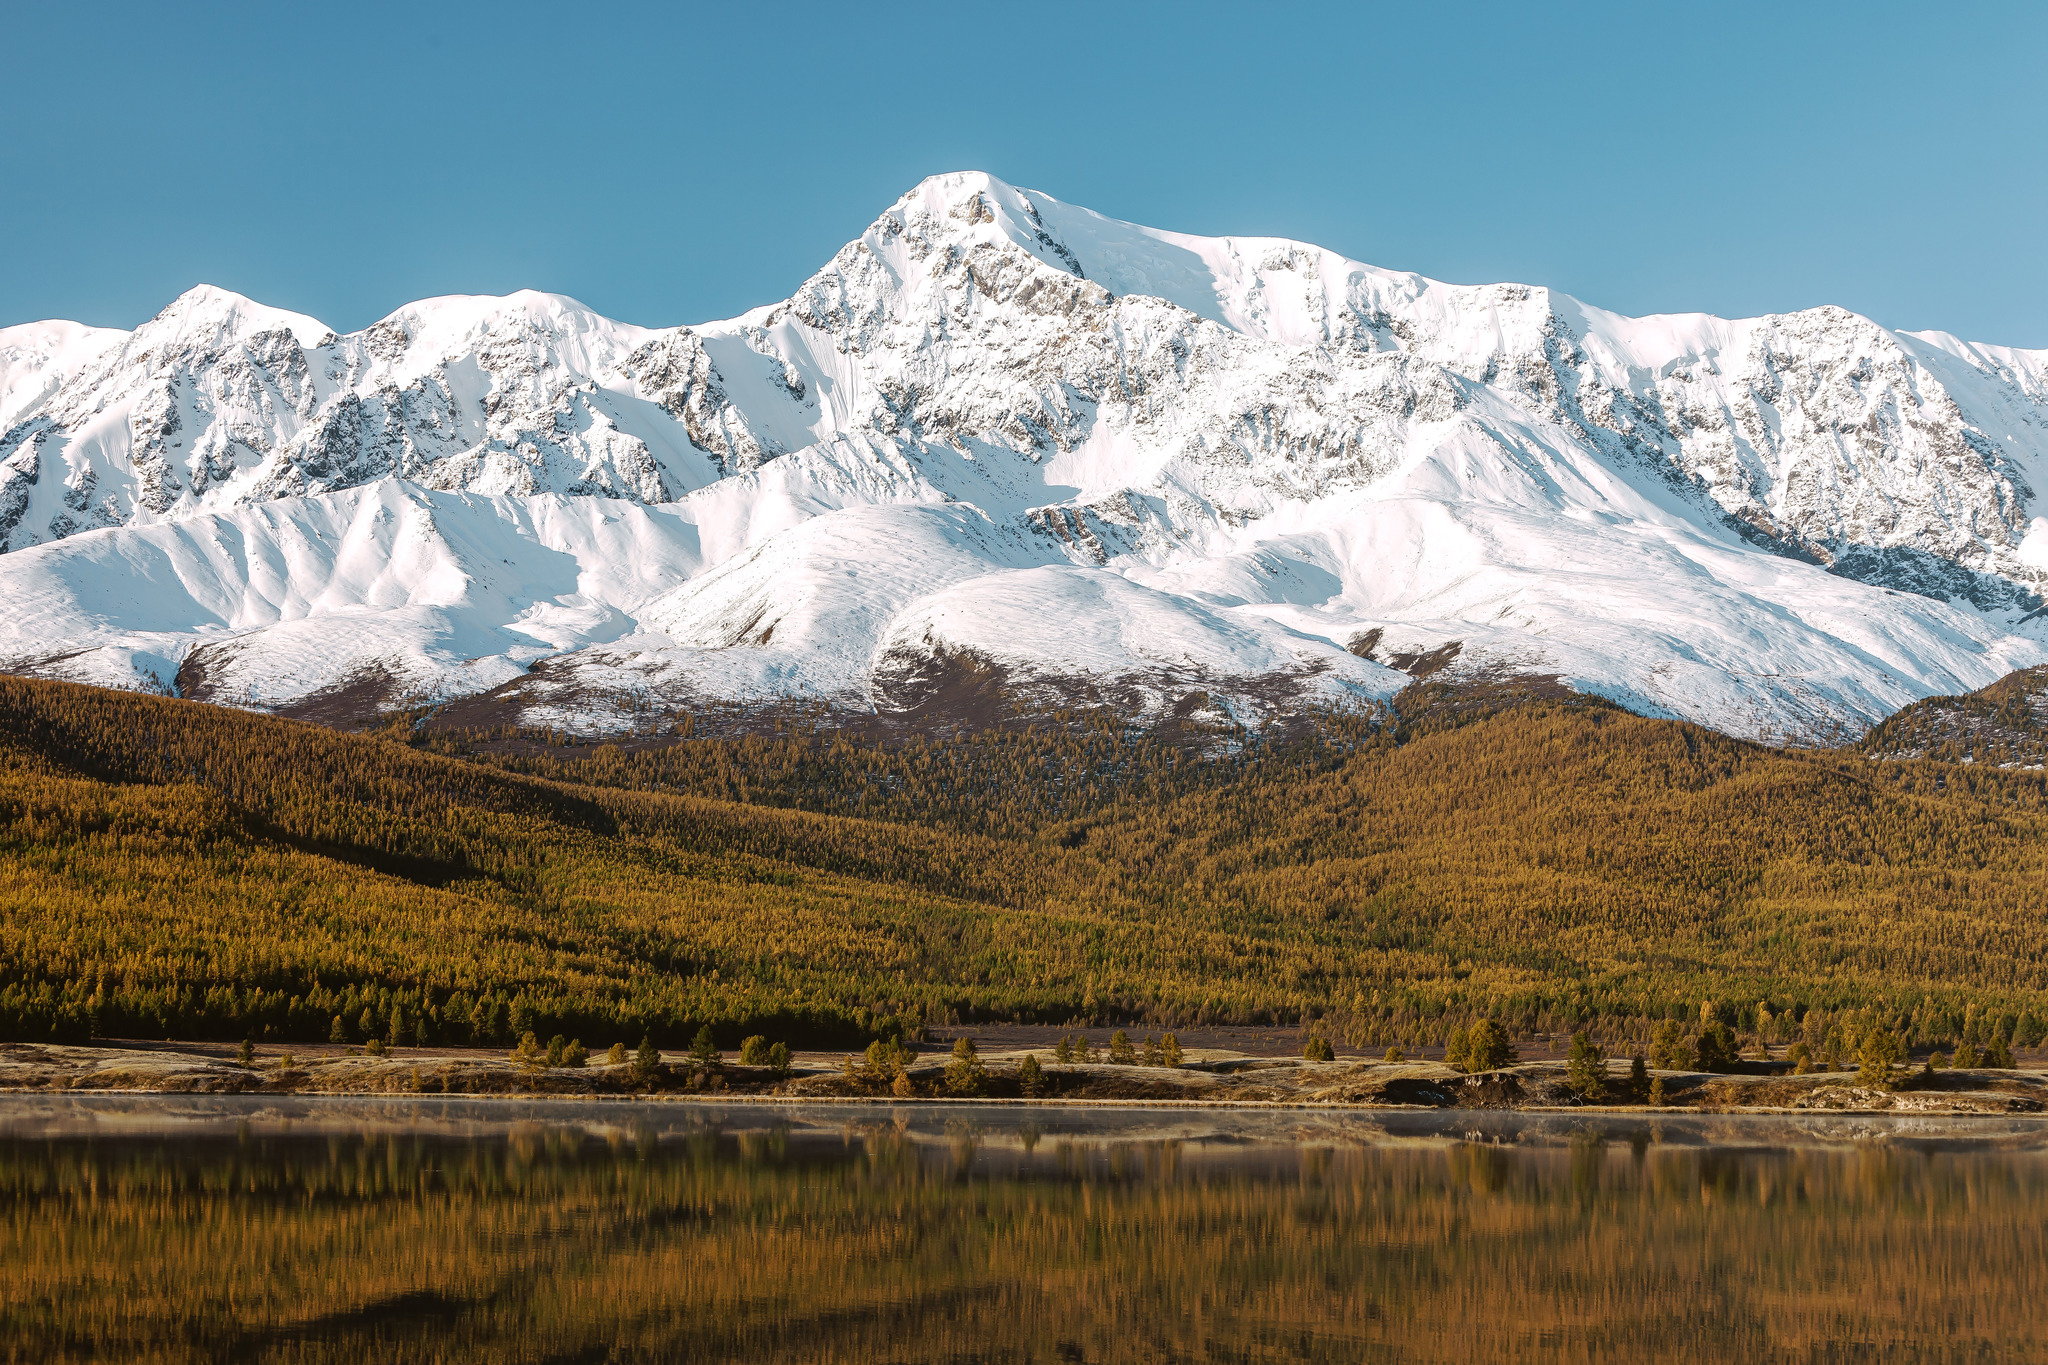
172, 869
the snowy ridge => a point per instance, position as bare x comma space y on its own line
1102, 457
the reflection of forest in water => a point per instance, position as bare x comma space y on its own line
630, 1237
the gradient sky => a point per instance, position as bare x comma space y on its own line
670, 164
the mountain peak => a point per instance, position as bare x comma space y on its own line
206, 314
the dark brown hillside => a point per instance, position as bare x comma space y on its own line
2004, 725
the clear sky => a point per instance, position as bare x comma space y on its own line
669, 163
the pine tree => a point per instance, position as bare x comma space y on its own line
1997, 1055
1880, 1049
1586, 1068
530, 1054
704, 1047
1169, 1051
1716, 1047
1487, 1047
1121, 1053
1657, 1090
337, 1032
1031, 1077
1317, 1049
965, 1074
558, 1048
575, 1055
247, 1055
1638, 1076
778, 1059
646, 1061
754, 1051
1458, 1049
1395, 1054
615, 1055
1063, 1051
1668, 1049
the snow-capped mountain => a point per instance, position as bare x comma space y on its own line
1004, 430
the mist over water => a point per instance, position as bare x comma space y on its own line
174, 1229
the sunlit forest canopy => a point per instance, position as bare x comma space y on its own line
175, 869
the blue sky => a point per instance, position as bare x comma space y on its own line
671, 164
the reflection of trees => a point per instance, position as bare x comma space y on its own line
562, 1242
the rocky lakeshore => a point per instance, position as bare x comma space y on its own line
1206, 1077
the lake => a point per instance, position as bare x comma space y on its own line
171, 1228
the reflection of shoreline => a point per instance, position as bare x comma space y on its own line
996, 1126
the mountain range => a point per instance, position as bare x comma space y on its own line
1001, 437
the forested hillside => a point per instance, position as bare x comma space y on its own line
169, 868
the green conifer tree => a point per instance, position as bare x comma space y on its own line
1487, 1047
1668, 1049
1879, 1051
1031, 1077
965, 1074
704, 1047
1169, 1051
1586, 1068
646, 1061
1716, 1047
1457, 1049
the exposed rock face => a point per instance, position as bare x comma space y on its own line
1248, 425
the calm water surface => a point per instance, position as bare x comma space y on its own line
368, 1230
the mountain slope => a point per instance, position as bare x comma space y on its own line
185, 870
1099, 458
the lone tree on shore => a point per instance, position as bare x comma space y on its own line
1586, 1068
1487, 1047
704, 1047
647, 1061
1031, 1076
1880, 1049
1668, 1049
965, 1074
1717, 1047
